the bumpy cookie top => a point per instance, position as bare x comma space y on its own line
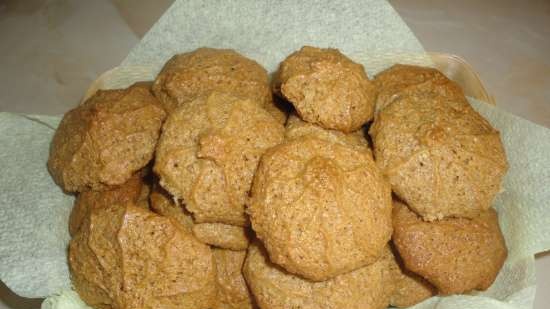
104, 141
232, 289
456, 255
190, 75
126, 257
401, 79
274, 288
441, 159
321, 208
327, 88
209, 151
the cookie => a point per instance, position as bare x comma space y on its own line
456, 255
408, 288
208, 153
321, 208
442, 159
273, 288
188, 76
222, 235
401, 79
128, 257
232, 289
326, 88
296, 127
104, 141
134, 190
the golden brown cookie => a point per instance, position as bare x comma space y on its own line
273, 288
126, 257
232, 289
402, 79
163, 204
441, 159
296, 127
134, 190
104, 141
456, 255
187, 76
222, 235
326, 88
408, 288
321, 208
209, 151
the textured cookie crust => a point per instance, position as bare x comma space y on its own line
104, 141
321, 208
126, 257
273, 288
409, 288
135, 190
188, 76
456, 255
222, 235
400, 80
208, 152
441, 159
327, 88
232, 289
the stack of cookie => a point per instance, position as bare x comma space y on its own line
204, 190
445, 163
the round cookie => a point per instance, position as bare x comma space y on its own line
401, 79
232, 289
188, 76
273, 288
134, 190
321, 208
408, 288
127, 257
327, 88
441, 159
456, 255
208, 153
296, 127
104, 141
222, 235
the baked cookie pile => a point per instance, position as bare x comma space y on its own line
212, 188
